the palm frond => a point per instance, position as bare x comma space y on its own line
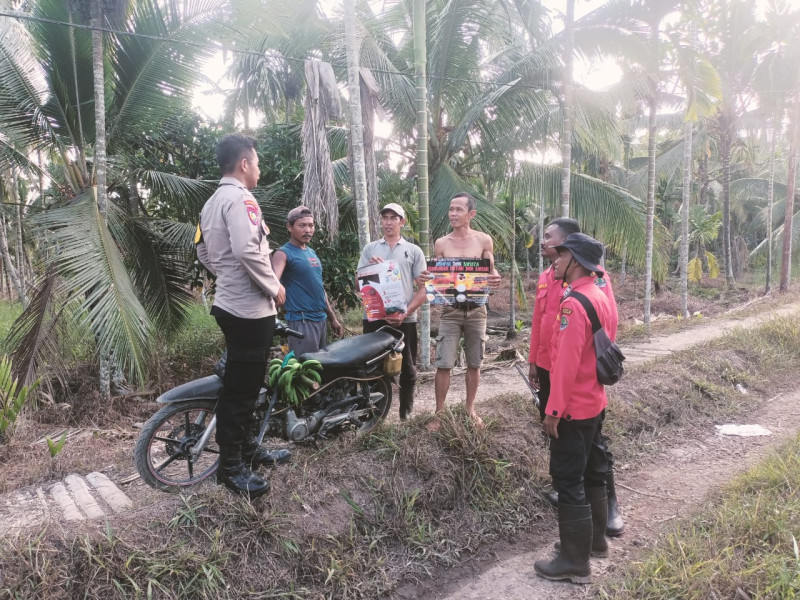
184, 195
152, 77
34, 336
159, 269
608, 212
81, 250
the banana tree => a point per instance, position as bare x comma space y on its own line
704, 229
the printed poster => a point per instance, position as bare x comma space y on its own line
381, 287
458, 281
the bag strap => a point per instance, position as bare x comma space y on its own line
589, 308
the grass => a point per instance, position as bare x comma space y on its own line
9, 311
745, 547
354, 516
191, 352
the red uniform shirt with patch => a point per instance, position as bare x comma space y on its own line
575, 392
546, 315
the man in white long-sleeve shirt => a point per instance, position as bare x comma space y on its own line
232, 243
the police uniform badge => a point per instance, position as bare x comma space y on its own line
564, 323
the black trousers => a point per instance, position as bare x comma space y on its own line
544, 389
408, 373
248, 342
544, 394
578, 458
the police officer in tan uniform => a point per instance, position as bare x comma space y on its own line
232, 244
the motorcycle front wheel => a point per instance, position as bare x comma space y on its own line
163, 449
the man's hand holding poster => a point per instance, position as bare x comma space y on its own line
381, 290
458, 281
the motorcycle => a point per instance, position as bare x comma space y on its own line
176, 448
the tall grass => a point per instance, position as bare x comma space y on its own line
746, 547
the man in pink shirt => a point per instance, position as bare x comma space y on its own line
549, 293
574, 415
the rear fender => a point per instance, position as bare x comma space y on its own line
204, 388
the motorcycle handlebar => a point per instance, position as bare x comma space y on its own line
284, 331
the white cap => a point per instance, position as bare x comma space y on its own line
395, 208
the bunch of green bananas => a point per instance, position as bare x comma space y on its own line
294, 379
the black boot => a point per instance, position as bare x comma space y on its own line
598, 501
572, 561
234, 475
552, 498
406, 401
254, 455
615, 525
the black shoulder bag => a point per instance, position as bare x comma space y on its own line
609, 355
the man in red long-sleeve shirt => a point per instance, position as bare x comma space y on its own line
546, 315
574, 415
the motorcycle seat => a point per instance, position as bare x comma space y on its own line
352, 353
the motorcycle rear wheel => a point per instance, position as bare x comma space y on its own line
381, 407
162, 452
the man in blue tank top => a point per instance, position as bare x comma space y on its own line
300, 271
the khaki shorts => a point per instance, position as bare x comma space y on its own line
455, 323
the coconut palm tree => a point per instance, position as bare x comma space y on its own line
121, 276
476, 128
731, 40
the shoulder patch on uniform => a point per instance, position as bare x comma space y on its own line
253, 212
542, 285
564, 323
198, 235
264, 227
600, 282
566, 311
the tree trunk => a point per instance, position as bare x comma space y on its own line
11, 271
100, 150
512, 313
420, 79
651, 175
566, 133
359, 176
786, 258
99, 106
770, 201
725, 156
685, 204
133, 195
541, 232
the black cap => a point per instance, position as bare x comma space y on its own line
586, 250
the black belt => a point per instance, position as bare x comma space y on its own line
467, 305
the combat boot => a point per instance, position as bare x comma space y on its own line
234, 475
615, 525
598, 501
254, 455
572, 561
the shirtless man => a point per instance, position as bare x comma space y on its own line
467, 320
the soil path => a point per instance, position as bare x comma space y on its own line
675, 484
497, 379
